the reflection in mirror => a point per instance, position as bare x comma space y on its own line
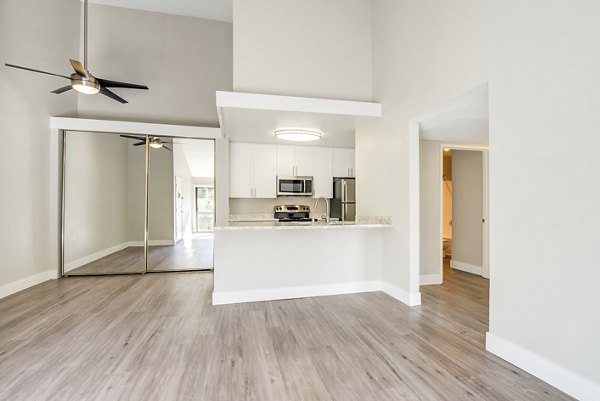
180, 204
104, 190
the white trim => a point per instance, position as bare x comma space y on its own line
131, 127
24, 283
410, 299
94, 256
431, 279
271, 294
563, 379
414, 219
466, 267
257, 101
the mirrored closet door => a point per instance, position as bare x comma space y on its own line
180, 224
103, 203
136, 204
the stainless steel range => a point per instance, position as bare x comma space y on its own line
292, 213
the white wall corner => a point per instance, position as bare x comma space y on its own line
466, 267
410, 299
431, 279
23, 284
563, 379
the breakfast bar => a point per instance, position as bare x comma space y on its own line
261, 261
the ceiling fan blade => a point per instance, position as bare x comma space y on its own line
79, 69
137, 138
139, 143
106, 83
34, 70
168, 148
62, 90
112, 95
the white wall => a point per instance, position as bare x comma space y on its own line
467, 207
544, 186
183, 60
424, 53
96, 204
47, 34
429, 198
186, 192
303, 48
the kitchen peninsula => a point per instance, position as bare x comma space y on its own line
260, 261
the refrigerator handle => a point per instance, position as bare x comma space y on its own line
344, 191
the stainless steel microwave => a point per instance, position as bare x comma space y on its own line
294, 186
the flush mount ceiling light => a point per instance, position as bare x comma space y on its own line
298, 135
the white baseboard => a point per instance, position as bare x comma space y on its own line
466, 267
95, 256
401, 295
430, 279
550, 372
20, 285
234, 297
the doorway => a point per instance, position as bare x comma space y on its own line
128, 203
463, 210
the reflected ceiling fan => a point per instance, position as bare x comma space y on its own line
82, 80
154, 142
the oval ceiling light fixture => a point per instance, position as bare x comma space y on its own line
298, 135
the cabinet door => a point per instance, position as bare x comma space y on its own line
285, 160
241, 176
304, 160
352, 162
343, 162
323, 172
265, 171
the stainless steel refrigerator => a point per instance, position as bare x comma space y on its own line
343, 205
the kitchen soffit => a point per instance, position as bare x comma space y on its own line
248, 117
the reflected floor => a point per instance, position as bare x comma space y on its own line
192, 253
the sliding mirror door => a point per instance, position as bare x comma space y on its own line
103, 204
180, 215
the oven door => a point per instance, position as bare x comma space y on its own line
291, 186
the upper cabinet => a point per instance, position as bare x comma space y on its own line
323, 172
252, 170
294, 161
343, 162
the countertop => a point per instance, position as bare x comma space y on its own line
304, 225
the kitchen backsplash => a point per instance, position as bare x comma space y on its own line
265, 206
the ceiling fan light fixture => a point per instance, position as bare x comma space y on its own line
156, 144
85, 86
298, 135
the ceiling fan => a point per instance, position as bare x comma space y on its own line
154, 142
82, 80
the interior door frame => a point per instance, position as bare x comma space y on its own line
486, 227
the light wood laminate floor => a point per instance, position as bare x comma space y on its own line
157, 337
187, 254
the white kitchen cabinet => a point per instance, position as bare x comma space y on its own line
304, 161
265, 177
343, 162
252, 170
286, 156
323, 172
294, 161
